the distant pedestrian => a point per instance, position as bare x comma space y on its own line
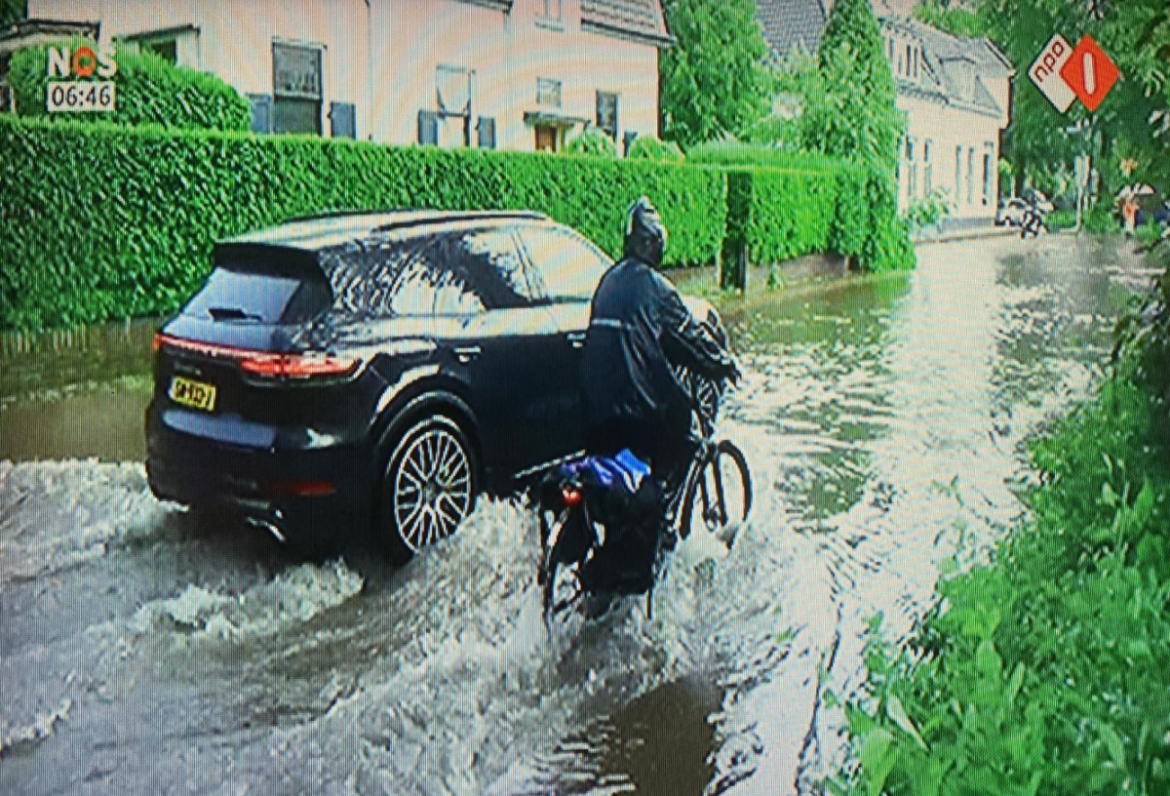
1129, 210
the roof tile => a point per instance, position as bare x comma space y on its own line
638, 18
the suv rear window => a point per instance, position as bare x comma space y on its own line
237, 294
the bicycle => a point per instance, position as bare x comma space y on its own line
716, 489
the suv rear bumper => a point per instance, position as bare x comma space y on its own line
312, 495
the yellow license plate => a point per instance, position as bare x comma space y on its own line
195, 394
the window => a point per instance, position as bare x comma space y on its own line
167, 49
551, 10
971, 176
243, 291
453, 97
908, 54
401, 278
548, 92
911, 171
296, 73
565, 266
490, 263
988, 185
607, 113
958, 174
927, 169
428, 128
486, 133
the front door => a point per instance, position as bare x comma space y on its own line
546, 138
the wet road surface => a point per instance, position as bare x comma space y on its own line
882, 418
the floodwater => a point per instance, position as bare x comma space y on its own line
883, 421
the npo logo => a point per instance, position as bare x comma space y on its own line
1045, 72
1064, 73
83, 62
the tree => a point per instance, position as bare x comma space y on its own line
849, 105
1132, 125
12, 11
714, 82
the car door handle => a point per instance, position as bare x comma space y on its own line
577, 339
467, 353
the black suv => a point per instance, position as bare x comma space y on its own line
383, 367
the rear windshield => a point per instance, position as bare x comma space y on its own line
234, 294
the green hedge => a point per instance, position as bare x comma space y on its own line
777, 214
150, 91
647, 147
591, 141
103, 222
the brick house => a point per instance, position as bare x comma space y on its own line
509, 74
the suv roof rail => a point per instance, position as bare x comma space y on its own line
413, 219
323, 214
459, 215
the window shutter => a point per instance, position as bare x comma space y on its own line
261, 105
486, 128
428, 128
341, 119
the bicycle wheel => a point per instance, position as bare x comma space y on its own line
560, 563
719, 492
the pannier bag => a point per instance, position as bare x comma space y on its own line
621, 496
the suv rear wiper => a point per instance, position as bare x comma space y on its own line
232, 313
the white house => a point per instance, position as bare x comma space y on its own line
955, 93
512, 74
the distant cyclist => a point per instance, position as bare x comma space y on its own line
638, 328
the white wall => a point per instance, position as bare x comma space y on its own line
383, 56
238, 46
948, 128
507, 54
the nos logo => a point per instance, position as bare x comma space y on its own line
82, 62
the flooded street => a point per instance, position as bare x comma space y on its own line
882, 419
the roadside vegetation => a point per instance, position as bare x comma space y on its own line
1127, 138
107, 222
1046, 670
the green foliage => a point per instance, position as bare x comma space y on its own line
1061, 219
647, 147
1143, 347
150, 91
954, 19
851, 63
714, 80
1047, 670
12, 11
927, 211
1133, 121
735, 153
104, 221
591, 141
790, 205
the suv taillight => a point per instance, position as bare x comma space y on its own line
267, 364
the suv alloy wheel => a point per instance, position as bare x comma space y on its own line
429, 486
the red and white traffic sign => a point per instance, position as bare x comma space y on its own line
1045, 72
1089, 72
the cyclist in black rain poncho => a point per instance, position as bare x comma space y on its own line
638, 328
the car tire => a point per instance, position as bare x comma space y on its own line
428, 488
